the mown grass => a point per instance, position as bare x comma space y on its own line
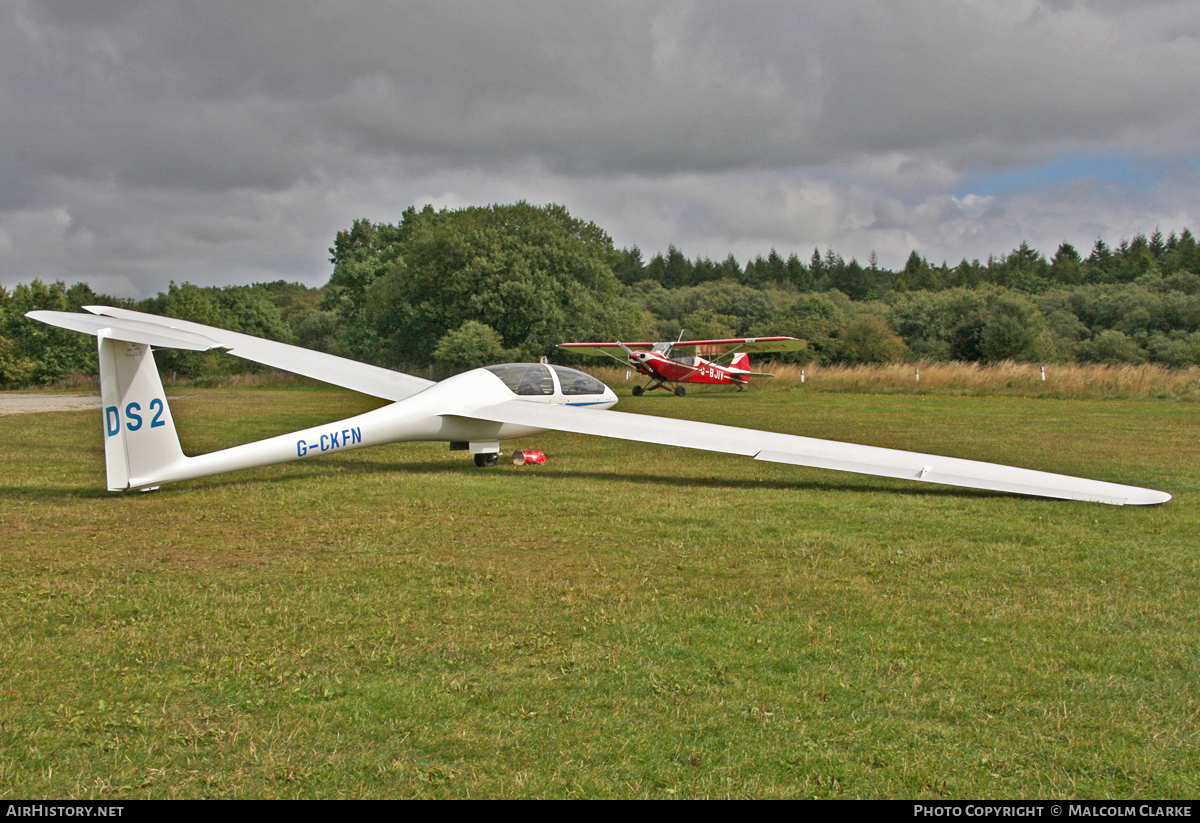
623, 621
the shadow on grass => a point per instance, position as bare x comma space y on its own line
529, 474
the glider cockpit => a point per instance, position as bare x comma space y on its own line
556, 384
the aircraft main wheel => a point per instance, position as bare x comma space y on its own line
485, 461
638, 391
680, 391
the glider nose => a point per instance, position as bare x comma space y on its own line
606, 400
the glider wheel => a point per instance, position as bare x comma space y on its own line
680, 391
485, 461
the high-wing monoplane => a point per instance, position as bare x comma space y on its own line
473, 411
685, 361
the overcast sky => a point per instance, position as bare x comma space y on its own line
228, 142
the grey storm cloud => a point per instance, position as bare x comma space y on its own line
228, 141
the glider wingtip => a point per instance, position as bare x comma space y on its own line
1147, 497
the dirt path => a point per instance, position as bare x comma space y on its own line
29, 403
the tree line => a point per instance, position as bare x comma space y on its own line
458, 288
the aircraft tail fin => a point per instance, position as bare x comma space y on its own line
742, 372
140, 440
141, 445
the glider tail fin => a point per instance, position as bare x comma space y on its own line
140, 440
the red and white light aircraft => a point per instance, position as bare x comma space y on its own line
684, 361
474, 411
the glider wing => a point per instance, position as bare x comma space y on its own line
807, 451
338, 371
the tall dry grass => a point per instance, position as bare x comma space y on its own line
1066, 380
1062, 380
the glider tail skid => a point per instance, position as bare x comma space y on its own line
140, 440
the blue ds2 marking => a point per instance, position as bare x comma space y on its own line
328, 442
133, 420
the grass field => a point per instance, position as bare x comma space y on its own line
624, 621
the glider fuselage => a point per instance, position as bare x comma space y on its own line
427, 415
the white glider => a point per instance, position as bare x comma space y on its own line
474, 411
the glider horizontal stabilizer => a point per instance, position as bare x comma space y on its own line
131, 331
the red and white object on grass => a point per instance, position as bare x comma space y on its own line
524, 458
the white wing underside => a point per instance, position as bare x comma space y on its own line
821, 454
328, 368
